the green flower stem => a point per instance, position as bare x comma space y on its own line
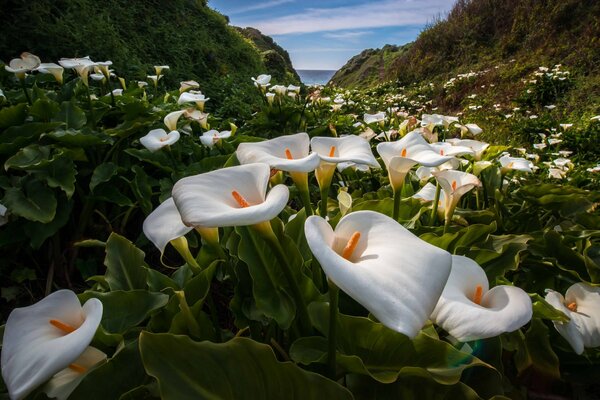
334, 293
447, 224
436, 201
265, 231
211, 237
324, 174
397, 198
323, 205
190, 320
25, 91
301, 181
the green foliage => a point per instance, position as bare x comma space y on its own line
194, 40
240, 368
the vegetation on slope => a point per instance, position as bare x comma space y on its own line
276, 58
486, 55
369, 67
194, 40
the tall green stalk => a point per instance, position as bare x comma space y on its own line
334, 295
266, 232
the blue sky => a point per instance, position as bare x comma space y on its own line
325, 34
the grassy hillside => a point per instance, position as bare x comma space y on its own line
276, 59
194, 40
494, 49
369, 67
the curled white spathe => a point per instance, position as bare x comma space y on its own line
273, 153
206, 200
502, 308
583, 329
394, 274
349, 148
33, 349
164, 224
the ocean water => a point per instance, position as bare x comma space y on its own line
315, 76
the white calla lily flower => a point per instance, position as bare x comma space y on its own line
278, 89
53, 69
164, 224
81, 65
469, 310
65, 382
212, 137
374, 118
188, 85
171, 119
193, 97
400, 156
448, 149
478, 147
286, 153
20, 66
343, 149
156, 139
473, 129
455, 184
42, 339
515, 163
160, 68
262, 80
383, 266
294, 88
427, 194
234, 196
582, 305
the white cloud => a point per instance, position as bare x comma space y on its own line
321, 50
352, 35
359, 16
259, 6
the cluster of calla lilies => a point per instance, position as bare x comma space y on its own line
399, 278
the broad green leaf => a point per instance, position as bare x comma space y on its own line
35, 201
73, 116
38, 232
543, 310
60, 173
29, 158
268, 281
126, 309
13, 115
158, 281
79, 137
103, 173
238, 369
17, 137
142, 189
534, 350
125, 266
158, 159
369, 348
408, 387
120, 374
44, 110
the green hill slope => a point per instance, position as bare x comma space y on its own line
276, 59
194, 40
369, 67
481, 35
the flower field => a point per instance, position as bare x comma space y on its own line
330, 244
